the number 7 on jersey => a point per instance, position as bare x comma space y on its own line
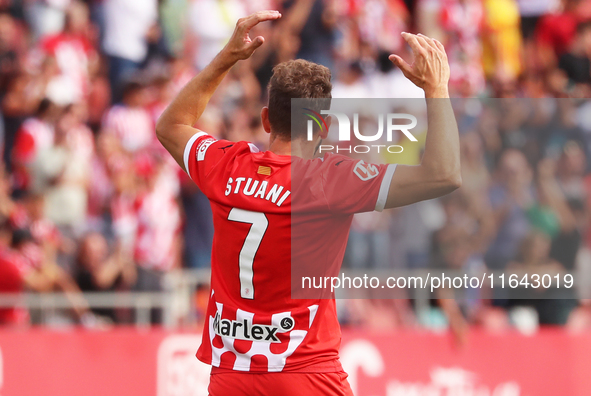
259, 224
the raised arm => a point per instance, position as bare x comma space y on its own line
439, 171
176, 125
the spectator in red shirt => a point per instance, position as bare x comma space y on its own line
576, 62
22, 267
556, 32
42, 274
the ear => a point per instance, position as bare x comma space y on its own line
265, 119
323, 133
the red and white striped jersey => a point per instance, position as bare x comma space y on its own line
123, 207
133, 127
271, 212
80, 141
158, 229
73, 54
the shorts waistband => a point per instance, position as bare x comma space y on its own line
333, 366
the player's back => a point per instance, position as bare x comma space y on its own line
271, 214
251, 206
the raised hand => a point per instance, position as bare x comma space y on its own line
240, 45
430, 69
175, 126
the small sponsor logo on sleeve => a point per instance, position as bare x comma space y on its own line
202, 149
366, 171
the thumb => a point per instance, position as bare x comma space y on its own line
257, 42
401, 63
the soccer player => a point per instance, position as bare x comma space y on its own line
260, 340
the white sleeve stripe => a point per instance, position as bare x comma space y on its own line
385, 187
188, 148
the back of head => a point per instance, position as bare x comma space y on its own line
296, 79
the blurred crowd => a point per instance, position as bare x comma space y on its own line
90, 201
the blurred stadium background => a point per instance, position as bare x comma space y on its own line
105, 243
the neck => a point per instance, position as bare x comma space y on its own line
296, 148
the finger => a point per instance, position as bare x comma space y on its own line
424, 43
261, 16
439, 45
429, 41
257, 42
441, 48
413, 42
401, 63
435, 44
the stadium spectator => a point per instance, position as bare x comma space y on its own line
317, 33
555, 32
197, 254
12, 278
129, 121
368, 242
127, 27
74, 54
122, 202
531, 11
41, 273
510, 196
352, 83
36, 135
45, 16
101, 189
553, 306
62, 172
502, 40
463, 44
9, 57
98, 269
576, 61
157, 244
24, 95
211, 23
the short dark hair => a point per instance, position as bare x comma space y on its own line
295, 79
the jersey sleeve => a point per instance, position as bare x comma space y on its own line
353, 186
202, 153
